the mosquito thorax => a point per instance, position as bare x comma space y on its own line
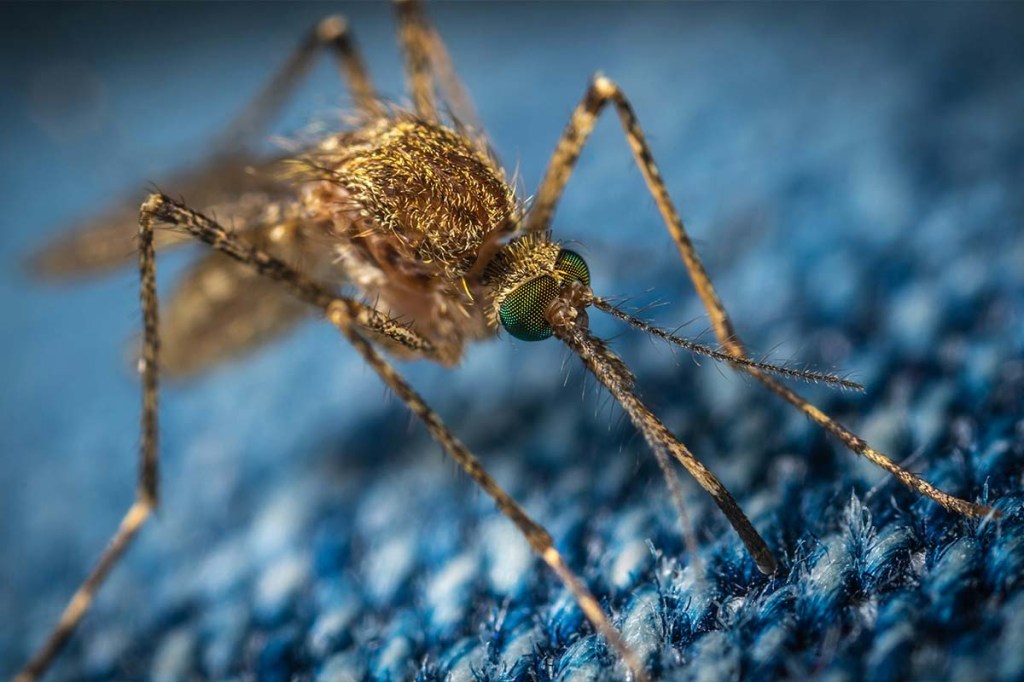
531, 279
432, 191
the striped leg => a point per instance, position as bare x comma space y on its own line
427, 61
332, 33
536, 535
603, 91
344, 315
612, 372
232, 169
147, 495
160, 209
413, 35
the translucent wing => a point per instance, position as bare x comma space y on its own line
236, 188
222, 309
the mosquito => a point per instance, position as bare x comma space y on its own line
411, 207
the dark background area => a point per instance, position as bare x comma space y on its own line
852, 176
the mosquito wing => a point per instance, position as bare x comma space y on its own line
222, 309
235, 188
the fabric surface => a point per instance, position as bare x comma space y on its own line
851, 175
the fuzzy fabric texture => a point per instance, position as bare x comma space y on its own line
853, 178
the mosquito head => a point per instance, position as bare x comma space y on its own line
537, 285
538, 289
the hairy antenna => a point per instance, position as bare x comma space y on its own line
721, 356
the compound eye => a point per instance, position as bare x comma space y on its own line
572, 266
522, 311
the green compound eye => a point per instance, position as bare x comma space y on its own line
522, 311
573, 265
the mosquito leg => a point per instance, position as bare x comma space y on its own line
436, 62
332, 33
535, 534
158, 208
73, 613
448, 79
861, 447
603, 91
611, 372
347, 318
164, 209
427, 60
147, 496
685, 527
414, 36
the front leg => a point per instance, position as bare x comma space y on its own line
346, 316
603, 91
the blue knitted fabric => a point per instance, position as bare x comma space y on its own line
852, 176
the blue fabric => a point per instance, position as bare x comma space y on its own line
852, 177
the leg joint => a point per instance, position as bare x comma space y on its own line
331, 29
338, 314
605, 87
152, 205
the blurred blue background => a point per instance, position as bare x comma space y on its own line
852, 176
